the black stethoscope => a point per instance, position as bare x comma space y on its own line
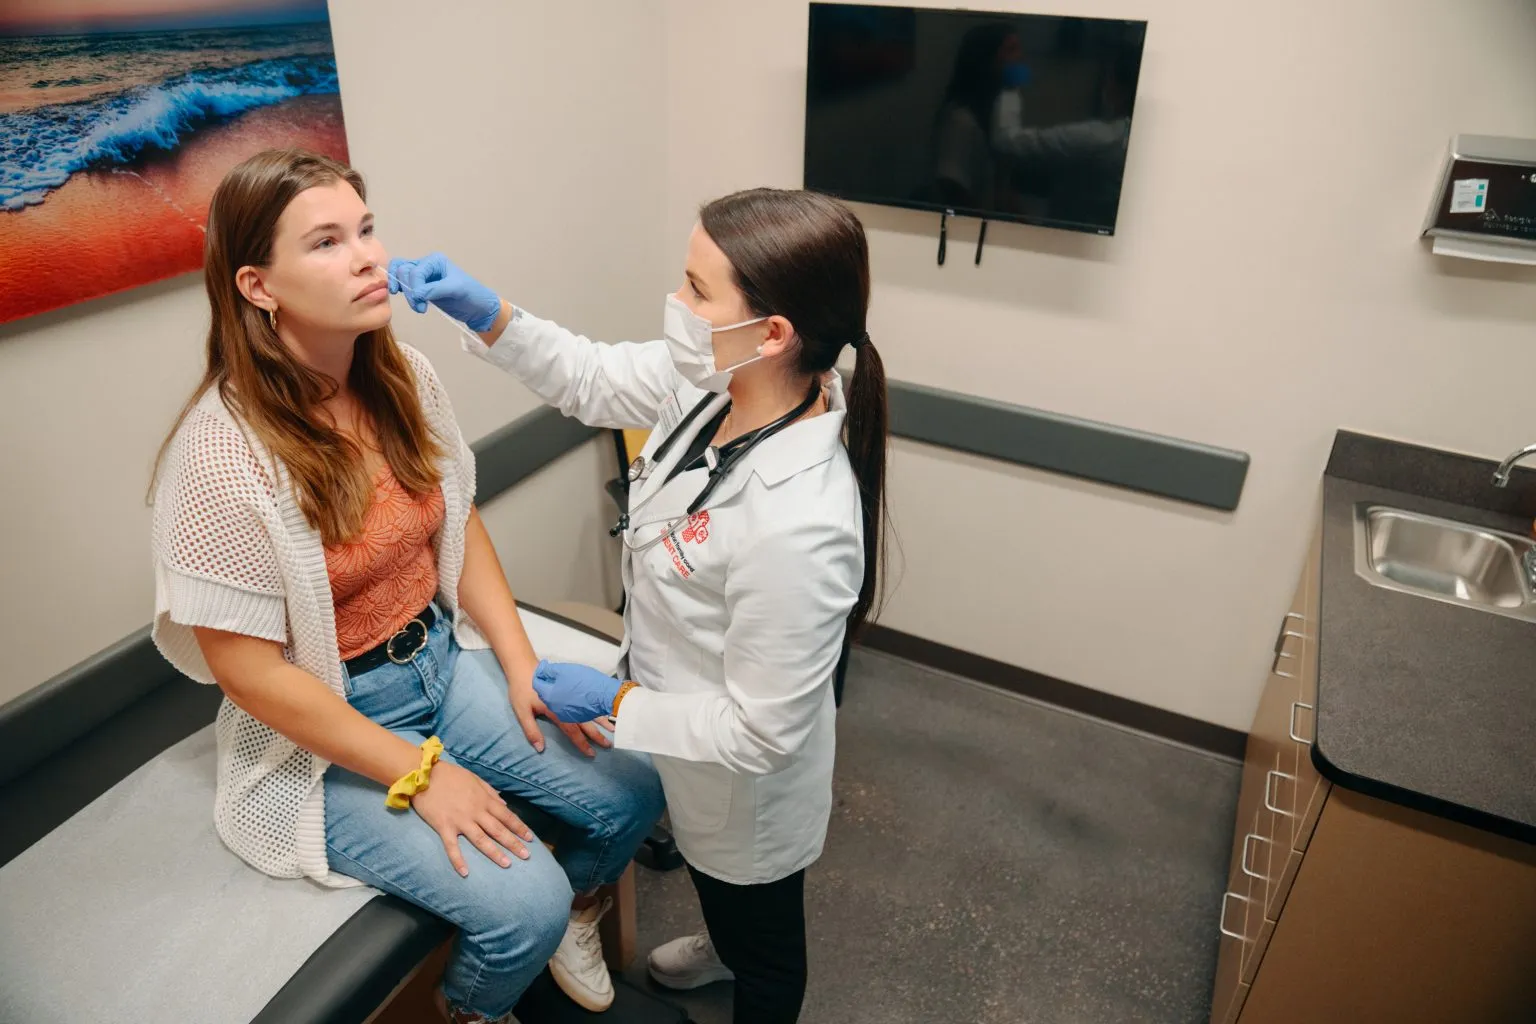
718, 460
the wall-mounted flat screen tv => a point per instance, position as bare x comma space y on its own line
1017, 117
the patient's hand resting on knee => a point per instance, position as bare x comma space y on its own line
459, 803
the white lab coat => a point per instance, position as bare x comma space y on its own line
735, 620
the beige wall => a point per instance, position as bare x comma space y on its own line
1267, 286
524, 139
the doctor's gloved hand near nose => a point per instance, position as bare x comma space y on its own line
435, 279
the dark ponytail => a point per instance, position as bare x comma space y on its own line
868, 427
803, 256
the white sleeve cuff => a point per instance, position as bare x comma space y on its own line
498, 353
680, 725
192, 601
630, 721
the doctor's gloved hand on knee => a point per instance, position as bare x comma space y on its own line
575, 693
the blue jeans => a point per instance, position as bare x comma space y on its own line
510, 920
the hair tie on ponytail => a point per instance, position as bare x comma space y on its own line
860, 341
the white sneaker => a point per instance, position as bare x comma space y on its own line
688, 962
578, 965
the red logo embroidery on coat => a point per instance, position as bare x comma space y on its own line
697, 530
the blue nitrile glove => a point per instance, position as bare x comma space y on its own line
435, 279
574, 693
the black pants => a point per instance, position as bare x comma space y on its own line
759, 932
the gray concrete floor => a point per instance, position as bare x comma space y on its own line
994, 861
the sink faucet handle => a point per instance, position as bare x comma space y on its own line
1507, 467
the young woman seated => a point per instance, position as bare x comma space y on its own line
319, 557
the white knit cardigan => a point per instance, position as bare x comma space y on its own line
234, 552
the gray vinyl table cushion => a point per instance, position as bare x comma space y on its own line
134, 912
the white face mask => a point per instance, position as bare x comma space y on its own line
689, 340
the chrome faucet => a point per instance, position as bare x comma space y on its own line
1501, 479
1501, 475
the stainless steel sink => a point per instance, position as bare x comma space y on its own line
1444, 560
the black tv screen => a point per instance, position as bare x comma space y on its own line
1004, 116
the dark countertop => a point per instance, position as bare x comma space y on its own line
1421, 702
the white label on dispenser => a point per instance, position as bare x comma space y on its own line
1469, 195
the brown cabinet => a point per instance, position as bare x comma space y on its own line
1344, 909
1271, 812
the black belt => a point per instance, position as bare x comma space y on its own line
401, 648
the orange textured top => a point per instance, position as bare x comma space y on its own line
384, 576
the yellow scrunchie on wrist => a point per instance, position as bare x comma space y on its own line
411, 783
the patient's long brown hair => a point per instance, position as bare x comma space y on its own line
279, 398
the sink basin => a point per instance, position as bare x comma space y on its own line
1444, 560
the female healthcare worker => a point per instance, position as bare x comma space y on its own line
750, 552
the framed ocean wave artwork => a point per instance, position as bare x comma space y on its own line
119, 117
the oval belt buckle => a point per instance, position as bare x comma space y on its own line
637, 468
389, 648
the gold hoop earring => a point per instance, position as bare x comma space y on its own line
272, 319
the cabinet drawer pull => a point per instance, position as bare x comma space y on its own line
1285, 634
1222, 924
1243, 861
1269, 787
1281, 652
1295, 705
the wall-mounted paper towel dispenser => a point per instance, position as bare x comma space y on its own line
1485, 207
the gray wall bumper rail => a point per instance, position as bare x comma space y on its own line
1150, 463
